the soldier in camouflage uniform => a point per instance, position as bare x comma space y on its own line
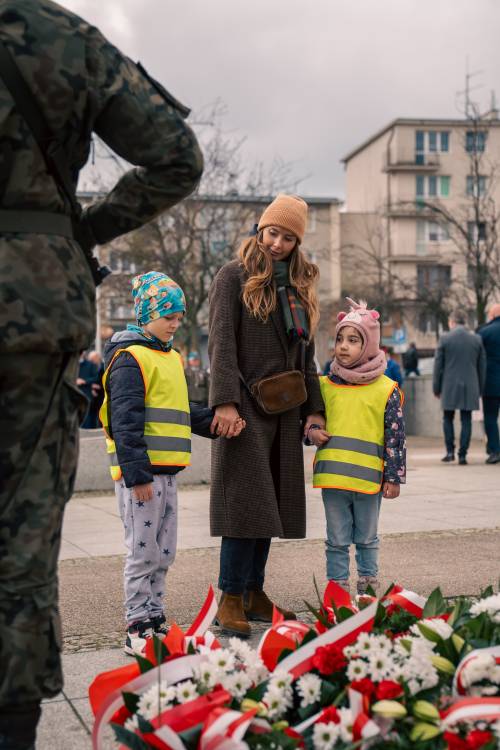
82, 84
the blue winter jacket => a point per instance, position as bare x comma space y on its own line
490, 333
125, 388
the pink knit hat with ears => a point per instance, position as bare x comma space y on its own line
367, 323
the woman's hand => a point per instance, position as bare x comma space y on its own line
317, 419
225, 421
391, 490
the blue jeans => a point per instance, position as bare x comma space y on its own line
242, 564
491, 406
351, 518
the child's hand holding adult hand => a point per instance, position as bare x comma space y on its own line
318, 436
225, 420
391, 490
143, 492
240, 425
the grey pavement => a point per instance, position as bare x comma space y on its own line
444, 530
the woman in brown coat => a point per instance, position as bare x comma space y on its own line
263, 313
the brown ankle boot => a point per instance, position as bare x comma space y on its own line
259, 607
231, 616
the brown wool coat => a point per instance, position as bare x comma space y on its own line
257, 485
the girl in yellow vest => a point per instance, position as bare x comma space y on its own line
361, 453
148, 421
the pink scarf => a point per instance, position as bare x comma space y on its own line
366, 372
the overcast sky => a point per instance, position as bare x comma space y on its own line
308, 80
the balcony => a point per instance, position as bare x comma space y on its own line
413, 162
409, 210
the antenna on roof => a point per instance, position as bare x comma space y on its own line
470, 106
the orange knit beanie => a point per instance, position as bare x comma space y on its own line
287, 211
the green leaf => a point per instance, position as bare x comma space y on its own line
191, 736
309, 636
257, 693
144, 664
318, 614
320, 598
435, 604
145, 726
131, 701
286, 652
343, 613
380, 615
328, 693
129, 739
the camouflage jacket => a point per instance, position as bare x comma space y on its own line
82, 84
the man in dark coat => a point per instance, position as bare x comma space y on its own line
490, 334
80, 83
410, 360
459, 376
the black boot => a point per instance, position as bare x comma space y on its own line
18, 726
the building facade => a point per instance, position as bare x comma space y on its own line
401, 185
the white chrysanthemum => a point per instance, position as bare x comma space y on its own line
257, 671
480, 667
438, 626
186, 691
209, 674
236, 683
155, 700
357, 669
380, 666
346, 722
350, 652
495, 728
490, 605
222, 658
325, 735
309, 688
280, 679
277, 701
365, 644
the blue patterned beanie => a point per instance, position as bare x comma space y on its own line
156, 295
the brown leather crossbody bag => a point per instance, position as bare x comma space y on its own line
281, 392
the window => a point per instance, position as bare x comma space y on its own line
430, 231
121, 263
475, 140
430, 142
475, 185
120, 309
432, 186
433, 277
476, 231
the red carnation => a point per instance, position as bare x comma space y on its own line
328, 659
387, 690
454, 741
365, 686
477, 739
329, 714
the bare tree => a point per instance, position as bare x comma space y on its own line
195, 238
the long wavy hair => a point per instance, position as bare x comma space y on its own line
259, 292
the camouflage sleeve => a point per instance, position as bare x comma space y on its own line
142, 124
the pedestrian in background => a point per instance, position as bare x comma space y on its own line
410, 360
197, 379
490, 335
263, 313
361, 453
392, 368
88, 375
458, 379
77, 82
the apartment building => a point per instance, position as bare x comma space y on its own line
386, 228
320, 242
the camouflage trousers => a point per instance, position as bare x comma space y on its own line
40, 411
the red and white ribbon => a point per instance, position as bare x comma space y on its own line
363, 727
458, 686
471, 709
343, 634
205, 616
408, 600
229, 724
171, 672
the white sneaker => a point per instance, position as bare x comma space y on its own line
137, 637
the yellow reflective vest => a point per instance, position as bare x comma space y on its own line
167, 425
353, 458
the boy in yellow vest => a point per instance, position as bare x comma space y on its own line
362, 451
148, 420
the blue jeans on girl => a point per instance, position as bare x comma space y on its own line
351, 518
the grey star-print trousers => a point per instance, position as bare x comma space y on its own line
151, 541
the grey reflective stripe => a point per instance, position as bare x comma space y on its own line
163, 443
348, 470
113, 459
174, 416
353, 444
